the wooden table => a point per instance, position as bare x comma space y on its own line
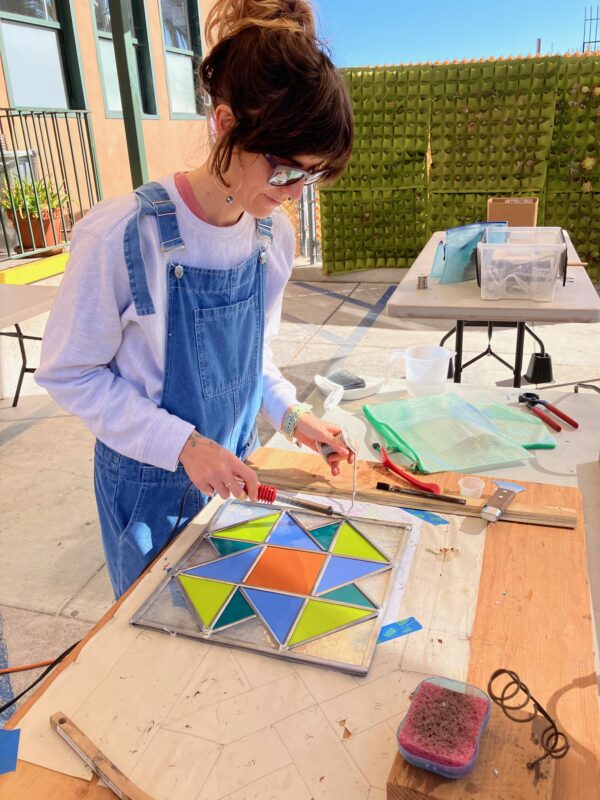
533, 615
17, 304
577, 301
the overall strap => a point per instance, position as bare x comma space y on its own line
264, 231
152, 200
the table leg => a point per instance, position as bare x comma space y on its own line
519, 354
20, 337
460, 327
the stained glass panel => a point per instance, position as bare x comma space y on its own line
206, 596
287, 533
278, 610
292, 571
350, 542
349, 594
255, 530
341, 570
324, 535
236, 610
232, 569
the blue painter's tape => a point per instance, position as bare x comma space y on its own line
396, 629
9, 749
427, 516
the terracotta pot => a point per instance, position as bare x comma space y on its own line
52, 227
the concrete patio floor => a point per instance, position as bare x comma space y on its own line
54, 583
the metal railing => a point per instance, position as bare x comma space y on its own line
308, 228
48, 178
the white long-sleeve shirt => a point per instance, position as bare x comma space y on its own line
105, 364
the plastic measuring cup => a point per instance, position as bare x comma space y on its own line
426, 368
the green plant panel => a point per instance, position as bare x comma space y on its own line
579, 214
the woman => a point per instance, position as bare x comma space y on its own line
158, 335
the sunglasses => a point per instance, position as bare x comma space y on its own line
285, 175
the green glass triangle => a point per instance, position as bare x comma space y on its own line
319, 618
349, 594
225, 547
205, 595
324, 535
255, 530
237, 609
352, 543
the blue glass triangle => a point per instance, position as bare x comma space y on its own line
287, 533
324, 535
278, 610
232, 569
340, 570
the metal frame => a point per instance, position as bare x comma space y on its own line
516, 368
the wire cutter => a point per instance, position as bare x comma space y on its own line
534, 400
433, 488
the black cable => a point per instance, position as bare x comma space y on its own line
179, 516
48, 669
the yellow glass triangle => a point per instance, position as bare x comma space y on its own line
205, 595
350, 542
255, 530
318, 618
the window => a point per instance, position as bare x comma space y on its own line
41, 80
108, 62
181, 35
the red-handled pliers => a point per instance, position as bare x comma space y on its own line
534, 400
406, 476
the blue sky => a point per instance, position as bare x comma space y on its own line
373, 32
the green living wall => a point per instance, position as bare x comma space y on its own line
433, 142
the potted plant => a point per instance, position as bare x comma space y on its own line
25, 200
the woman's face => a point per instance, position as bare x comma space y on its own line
249, 173
255, 194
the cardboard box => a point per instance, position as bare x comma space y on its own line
518, 212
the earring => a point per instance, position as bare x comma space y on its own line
229, 199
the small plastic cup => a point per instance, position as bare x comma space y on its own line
471, 487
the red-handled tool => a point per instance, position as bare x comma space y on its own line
269, 494
406, 476
534, 400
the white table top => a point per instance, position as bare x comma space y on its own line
18, 303
578, 301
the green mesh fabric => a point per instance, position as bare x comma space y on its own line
433, 142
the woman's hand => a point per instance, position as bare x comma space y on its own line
214, 470
310, 430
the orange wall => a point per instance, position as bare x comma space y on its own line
171, 144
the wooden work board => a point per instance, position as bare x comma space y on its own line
533, 615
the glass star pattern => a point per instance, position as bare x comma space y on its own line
294, 573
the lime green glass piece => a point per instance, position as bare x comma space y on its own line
226, 547
350, 542
319, 618
349, 594
205, 595
255, 530
236, 610
324, 535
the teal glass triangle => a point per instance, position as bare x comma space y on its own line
237, 609
324, 535
349, 594
225, 547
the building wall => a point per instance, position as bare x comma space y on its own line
171, 144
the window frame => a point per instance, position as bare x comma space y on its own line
148, 66
68, 52
195, 54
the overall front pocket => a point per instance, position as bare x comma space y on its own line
228, 340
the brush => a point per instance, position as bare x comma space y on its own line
389, 487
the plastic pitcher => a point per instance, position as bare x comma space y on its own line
426, 368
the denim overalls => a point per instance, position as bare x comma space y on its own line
213, 379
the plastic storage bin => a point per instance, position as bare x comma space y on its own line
443, 726
520, 263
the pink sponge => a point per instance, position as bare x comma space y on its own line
443, 726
